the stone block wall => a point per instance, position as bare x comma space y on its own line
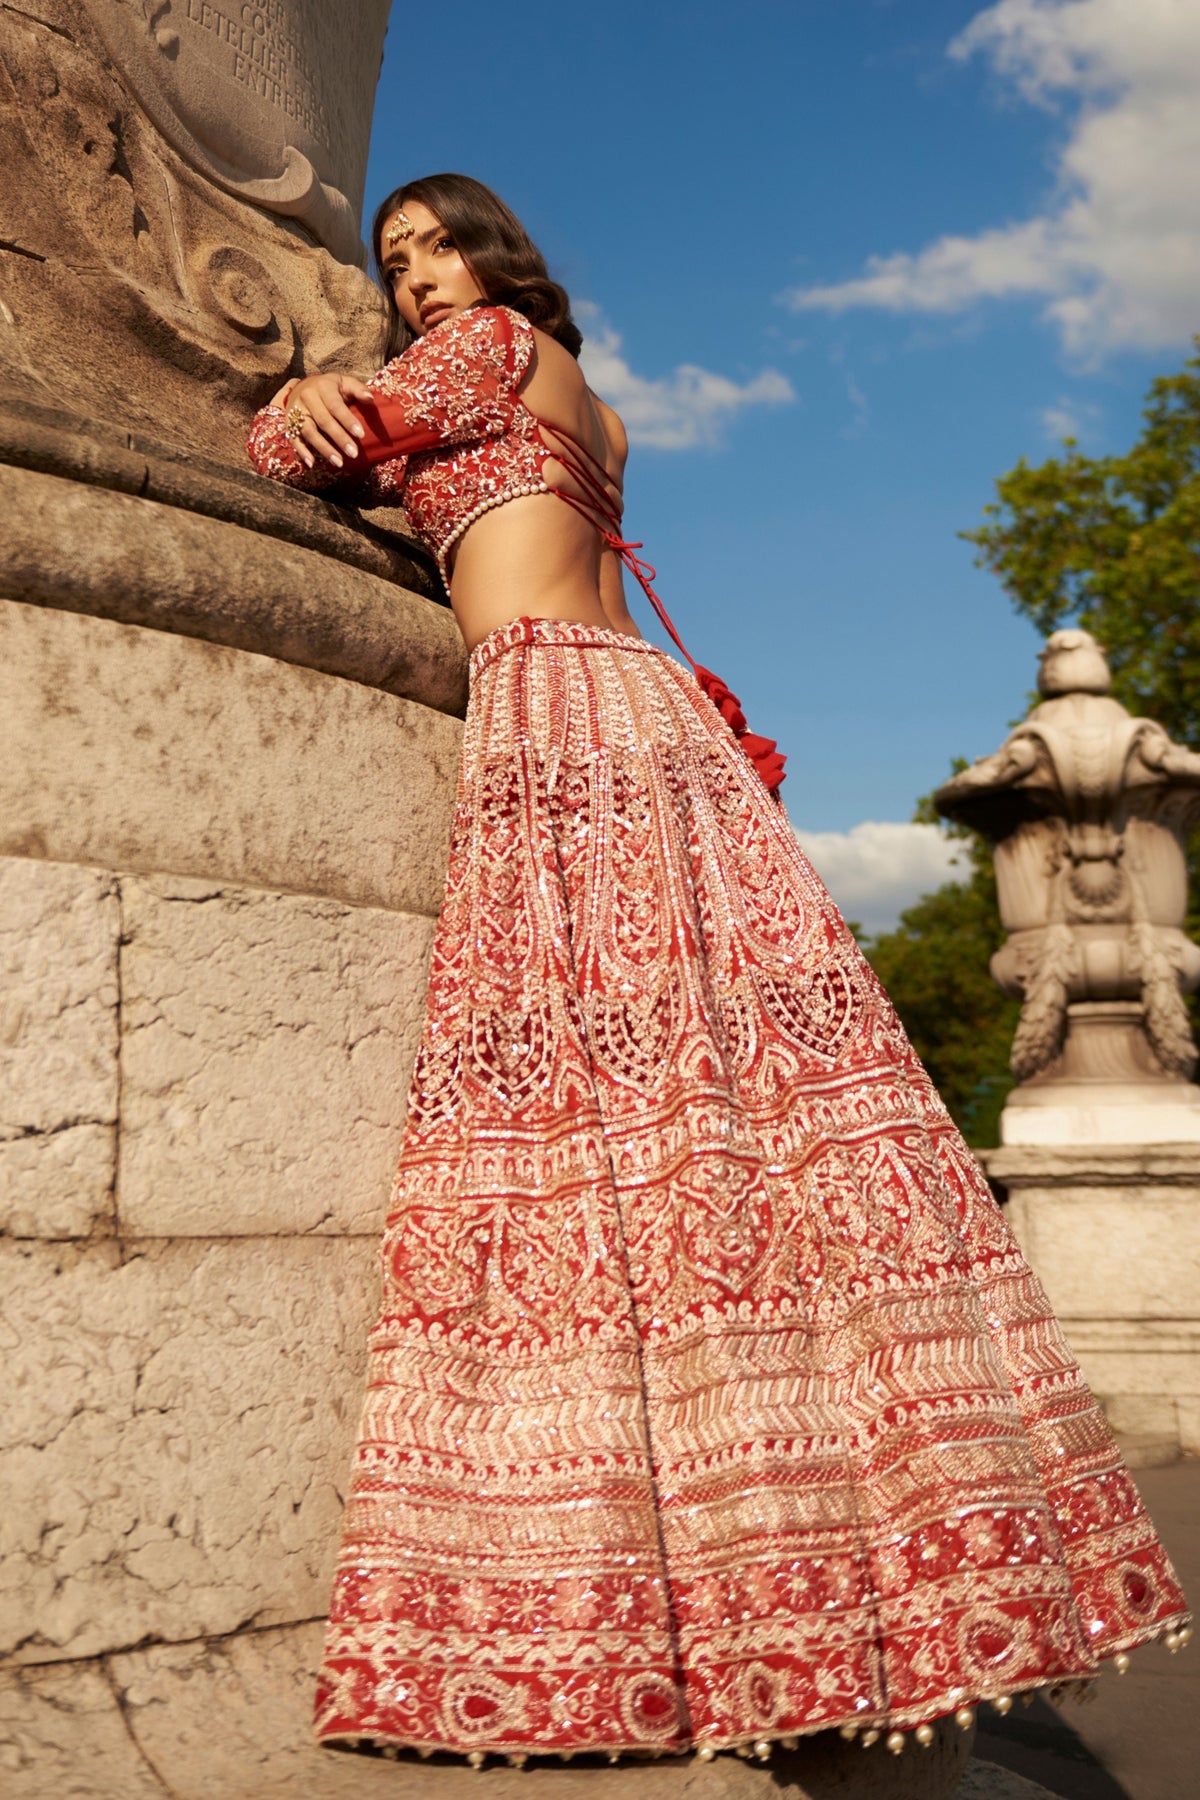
1114, 1234
219, 874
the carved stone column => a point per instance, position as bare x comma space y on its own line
179, 214
1088, 811
231, 741
230, 747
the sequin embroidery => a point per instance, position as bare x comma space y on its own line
460, 380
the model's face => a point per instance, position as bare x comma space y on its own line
427, 276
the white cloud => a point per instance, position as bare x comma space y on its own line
1069, 419
879, 867
679, 411
1116, 253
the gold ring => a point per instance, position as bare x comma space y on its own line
294, 421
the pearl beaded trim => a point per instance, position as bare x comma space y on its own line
484, 506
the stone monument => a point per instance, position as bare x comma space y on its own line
180, 208
231, 738
231, 732
1087, 810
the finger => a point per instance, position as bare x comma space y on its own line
327, 425
335, 420
340, 412
315, 438
352, 389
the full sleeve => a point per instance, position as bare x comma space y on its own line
453, 386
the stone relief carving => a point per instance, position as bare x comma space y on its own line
1087, 809
265, 99
138, 280
1043, 974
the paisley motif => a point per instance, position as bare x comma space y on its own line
711, 1396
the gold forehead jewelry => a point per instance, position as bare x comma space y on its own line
400, 228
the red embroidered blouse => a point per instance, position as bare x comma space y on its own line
465, 442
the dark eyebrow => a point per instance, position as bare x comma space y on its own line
424, 238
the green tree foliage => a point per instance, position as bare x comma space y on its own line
1111, 543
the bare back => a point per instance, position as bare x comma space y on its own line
535, 555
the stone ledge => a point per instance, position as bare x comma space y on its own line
1092, 1165
145, 752
87, 450
82, 549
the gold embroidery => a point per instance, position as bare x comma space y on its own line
711, 1396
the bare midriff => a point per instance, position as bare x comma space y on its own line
536, 558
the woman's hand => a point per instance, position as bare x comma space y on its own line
319, 422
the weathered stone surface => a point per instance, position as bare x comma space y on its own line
139, 750
59, 1184
1121, 1114
1188, 1414
62, 1737
230, 1721
58, 997
260, 1686
265, 100
1114, 1235
86, 549
267, 1045
197, 301
1130, 1167
1122, 1254
100, 454
989, 1781
178, 1424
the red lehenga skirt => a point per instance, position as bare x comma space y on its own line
711, 1400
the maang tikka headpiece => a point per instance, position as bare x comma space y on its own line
400, 228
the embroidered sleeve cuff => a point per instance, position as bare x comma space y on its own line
274, 454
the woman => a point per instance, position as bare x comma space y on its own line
711, 1401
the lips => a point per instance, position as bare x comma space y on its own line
431, 314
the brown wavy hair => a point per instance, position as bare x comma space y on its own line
497, 249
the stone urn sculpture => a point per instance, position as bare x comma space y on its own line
1087, 810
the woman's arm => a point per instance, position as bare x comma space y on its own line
306, 435
456, 384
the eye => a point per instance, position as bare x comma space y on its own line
444, 243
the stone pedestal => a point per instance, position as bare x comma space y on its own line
231, 733
1114, 1234
1104, 1087
1088, 810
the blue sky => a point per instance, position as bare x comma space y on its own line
840, 263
